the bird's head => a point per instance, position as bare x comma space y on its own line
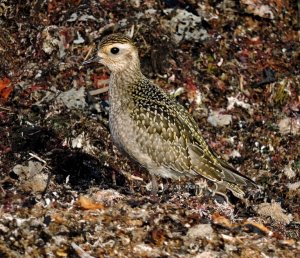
118, 53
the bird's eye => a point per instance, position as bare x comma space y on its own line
115, 50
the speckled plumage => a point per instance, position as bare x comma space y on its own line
153, 128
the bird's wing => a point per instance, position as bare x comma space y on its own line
174, 141
161, 136
207, 163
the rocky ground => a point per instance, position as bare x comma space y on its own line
65, 189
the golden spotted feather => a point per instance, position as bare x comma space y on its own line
172, 139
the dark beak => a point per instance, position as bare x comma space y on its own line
95, 59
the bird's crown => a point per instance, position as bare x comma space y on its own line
115, 38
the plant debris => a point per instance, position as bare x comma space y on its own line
65, 189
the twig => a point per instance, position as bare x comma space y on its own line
99, 91
80, 252
38, 158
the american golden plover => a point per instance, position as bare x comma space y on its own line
153, 128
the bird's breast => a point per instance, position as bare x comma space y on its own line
120, 123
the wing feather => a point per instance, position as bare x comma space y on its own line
174, 141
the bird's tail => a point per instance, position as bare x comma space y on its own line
212, 167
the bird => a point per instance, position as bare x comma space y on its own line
153, 128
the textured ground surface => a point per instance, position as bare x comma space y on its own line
65, 191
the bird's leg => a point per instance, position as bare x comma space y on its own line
154, 185
166, 186
219, 193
